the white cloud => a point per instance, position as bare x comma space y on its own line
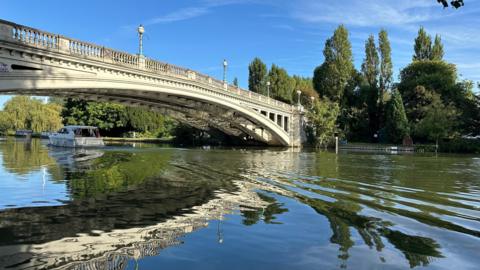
179, 15
187, 13
366, 12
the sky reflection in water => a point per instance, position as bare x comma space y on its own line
149, 207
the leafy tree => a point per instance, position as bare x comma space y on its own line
437, 49
235, 81
386, 66
305, 85
439, 122
23, 112
115, 119
257, 72
370, 66
109, 117
322, 122
435, 76
281, 85
331, 78
423, 46
396, 125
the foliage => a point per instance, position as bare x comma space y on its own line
386, 66
322, 119
370, 66
281, 85
423, 46
437, 49
23, 112
305, 85
453, 3
435, 76
108, 117
460, 145
331, 78
257, 73
439, 121
115, 119
396, 126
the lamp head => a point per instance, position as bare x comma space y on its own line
140, 29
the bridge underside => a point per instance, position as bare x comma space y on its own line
32, 71
194, 113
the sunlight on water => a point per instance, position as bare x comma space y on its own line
149, 207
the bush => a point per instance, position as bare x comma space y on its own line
460, 145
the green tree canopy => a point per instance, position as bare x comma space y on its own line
437, 49
386, 66
370, 65
322, 122
396, 126
331, 78
281, 85
22, 112
423, 46
257, 73
439, 121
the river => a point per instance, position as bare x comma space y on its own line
158, 207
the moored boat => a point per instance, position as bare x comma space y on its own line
76, 136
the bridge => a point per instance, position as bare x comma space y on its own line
35, 62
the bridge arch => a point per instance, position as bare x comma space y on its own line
33, 62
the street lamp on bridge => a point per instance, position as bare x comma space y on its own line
268, 89
140, 30
225, 65
299, 93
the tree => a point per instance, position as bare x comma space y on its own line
257, 72
386, 66
437, 49
322, 120
370, 66
115, 119
370, 70
439, 121
305, 85
423, 46
23, 112
396, 126
331, 78
281, 85
434, 76
235, 81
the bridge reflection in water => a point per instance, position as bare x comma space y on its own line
129, 203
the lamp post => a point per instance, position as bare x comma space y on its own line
299, 93
225, 64
140, 30
268, 89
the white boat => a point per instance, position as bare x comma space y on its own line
76, 136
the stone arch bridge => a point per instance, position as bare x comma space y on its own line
35, 62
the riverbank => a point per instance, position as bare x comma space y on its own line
144, 140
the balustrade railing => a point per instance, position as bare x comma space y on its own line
33, 37
87, 49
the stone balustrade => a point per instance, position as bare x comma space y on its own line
33, 37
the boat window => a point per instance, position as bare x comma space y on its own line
85, 132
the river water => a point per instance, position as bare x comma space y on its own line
159, 207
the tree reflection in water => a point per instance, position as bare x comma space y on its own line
128, 204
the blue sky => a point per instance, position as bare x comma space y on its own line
200, 34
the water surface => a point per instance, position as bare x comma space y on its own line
150, 207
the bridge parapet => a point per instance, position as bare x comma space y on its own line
28, 36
